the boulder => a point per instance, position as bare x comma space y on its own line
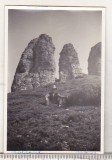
36, 66
69, 67
94, 60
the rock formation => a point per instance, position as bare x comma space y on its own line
36, 66
94, 60
69, 67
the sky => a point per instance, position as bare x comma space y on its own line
81, 28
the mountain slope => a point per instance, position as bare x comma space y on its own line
73, 127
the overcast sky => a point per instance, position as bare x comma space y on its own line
81, 28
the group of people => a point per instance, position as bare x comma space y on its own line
54, 97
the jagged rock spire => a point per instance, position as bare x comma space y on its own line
36, 66
69, 66
94, 60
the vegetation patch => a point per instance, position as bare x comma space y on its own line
32, 126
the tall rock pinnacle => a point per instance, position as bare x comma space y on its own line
36, 66
94, 60
69, 67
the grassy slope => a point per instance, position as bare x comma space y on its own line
34, 126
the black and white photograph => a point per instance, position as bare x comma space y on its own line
55, 79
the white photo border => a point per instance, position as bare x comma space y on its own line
102, 73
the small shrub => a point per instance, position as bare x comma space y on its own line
86, 95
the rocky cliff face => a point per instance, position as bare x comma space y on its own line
69, 67
94, 60
36, 66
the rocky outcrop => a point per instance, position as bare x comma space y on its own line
94, 60
69, 67
36, 66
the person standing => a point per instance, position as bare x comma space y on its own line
47, 99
